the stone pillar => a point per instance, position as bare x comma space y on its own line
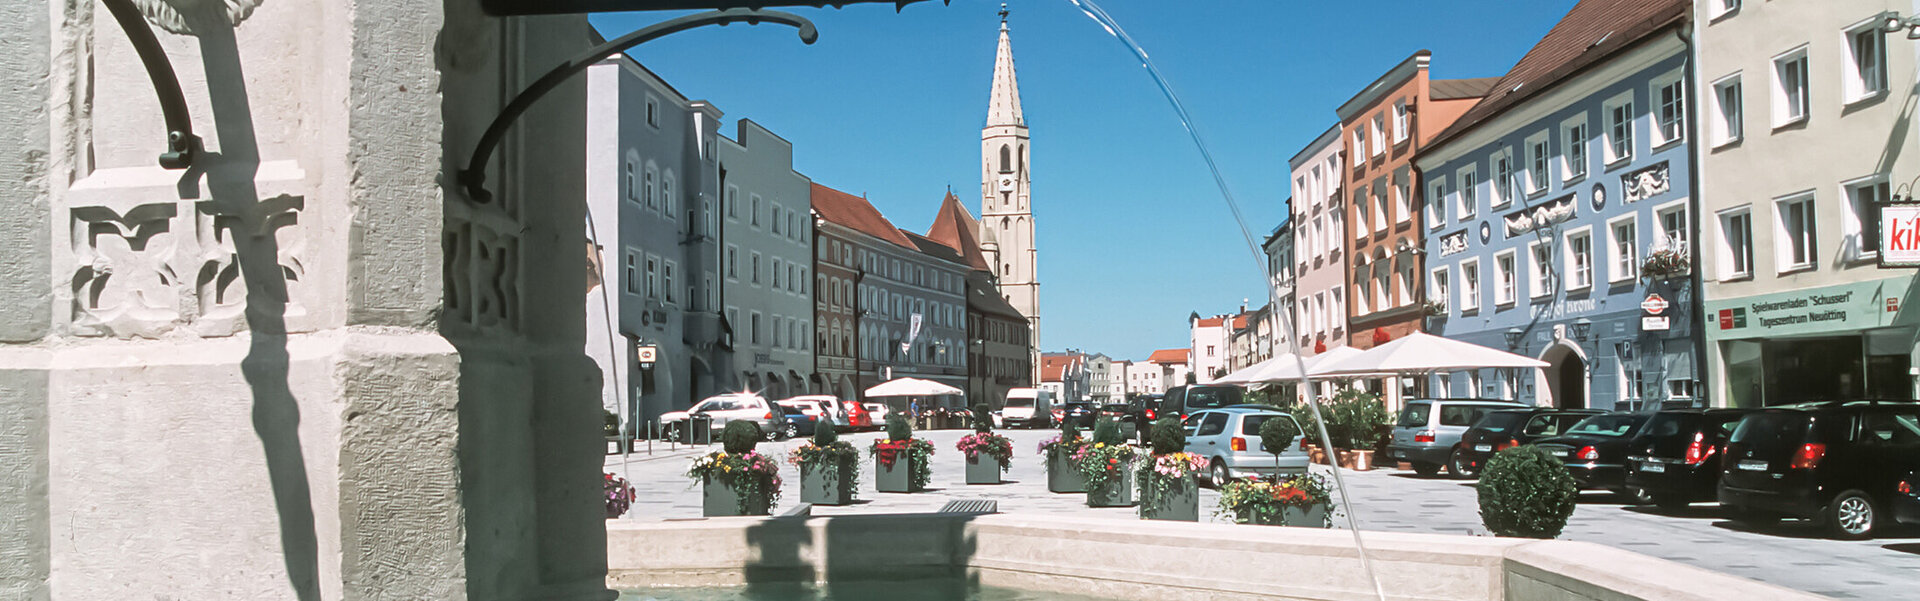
304, 368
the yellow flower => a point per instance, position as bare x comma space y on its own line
1099, 445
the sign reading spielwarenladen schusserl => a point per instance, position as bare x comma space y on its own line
1834, 309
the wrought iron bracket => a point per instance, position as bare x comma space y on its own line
474, 177
182, 145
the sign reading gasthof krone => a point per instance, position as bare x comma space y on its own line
1900, 234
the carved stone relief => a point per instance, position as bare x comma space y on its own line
482, 269
220, 284
123, 282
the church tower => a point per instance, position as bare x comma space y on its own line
1006, 218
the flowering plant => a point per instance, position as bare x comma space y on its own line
1663, 263
919, 453
1055, 446
1000, 447
1159, 475
1262, 500
619, 495
750, 474
839, 451
1099, 461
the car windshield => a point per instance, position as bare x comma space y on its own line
1122, 407
1501, 421
1606, 425
1667, 425
1415, 415
790, 410
1079, 406
1250, 425
1771, 429
1209, 397
1016, 402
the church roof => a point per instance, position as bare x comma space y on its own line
857, 214
984, 297
933, 248
1003, 108
955, 227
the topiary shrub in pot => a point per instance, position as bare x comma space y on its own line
827, 474
902, 463
1062, 476
1104, 465
1167, 488
1526, 492
737, 480
988, 454
1276, 436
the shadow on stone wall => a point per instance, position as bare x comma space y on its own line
858, 558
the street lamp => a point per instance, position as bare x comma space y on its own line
1513, 338
1581, 328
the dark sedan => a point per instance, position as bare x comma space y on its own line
798, 422
1511, 428
1081, 415
1595, 450
1906, 499
1675, 459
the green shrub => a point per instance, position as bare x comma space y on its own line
1526, 492
898, 428
824, 435
612, 427
740, 436
1069, 432
1108, 431
1276, 434
1168, 436
1355, 419
982, 418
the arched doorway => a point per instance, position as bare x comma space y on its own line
1566, 376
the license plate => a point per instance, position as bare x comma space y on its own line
1483, 447
1563, 453
1652, 468
1753, 465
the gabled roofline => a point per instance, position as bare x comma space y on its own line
1326, 139
1372, 93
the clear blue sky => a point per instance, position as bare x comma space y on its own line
1133, 234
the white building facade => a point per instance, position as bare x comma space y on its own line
1319, 244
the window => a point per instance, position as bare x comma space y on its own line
1503, 273
1573, 148
1502, 177
1863, 217
1437, 287
1623, 249
733, 262
1379, 138
1794, 232
647, 191
1361, 205
753, 218
1380, 207
774, 223
1404, 284
1469, 185
1400, 128
1673, 226
1359, 143
1537, 157
1580, 259
1540, 269
1362, 295
754, 332
706, 216
1470, 285
666, 195
633, 275
1726, 125
1670, 107
667, 270
1721, 8
1866, 72
633, 192
1736, 244
778, 267
653, 276
754, 265
1382, 289
1402, 200
1435, 203
1790, 103
1619, 113
653, 111
733, 202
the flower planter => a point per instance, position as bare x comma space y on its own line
1317, 455
1062, 477
1345, 457
826, 483
1180, 503
897, 478
984, 469
719, 499
1311, 516
1362, 460
1117, 491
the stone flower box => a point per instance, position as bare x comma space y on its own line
897, 478
1117, 491
1181, 503
1062, 477
1311, 516
824, 483
719, 499
984, 469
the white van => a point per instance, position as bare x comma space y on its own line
1028, 408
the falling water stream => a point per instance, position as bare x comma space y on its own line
1099, 15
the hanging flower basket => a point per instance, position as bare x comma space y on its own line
1664, 264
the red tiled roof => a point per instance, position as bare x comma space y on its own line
954, 227
1053, 365
1240, 322
1170, 355
1210, 322
856, 213
1591, 32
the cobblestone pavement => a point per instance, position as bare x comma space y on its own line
1789, 554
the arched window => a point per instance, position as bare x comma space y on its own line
1006, 160
1023, 158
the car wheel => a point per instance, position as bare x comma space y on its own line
1850, 516
671, 432
1219, 474
1458, 466
792, 431
1426, 469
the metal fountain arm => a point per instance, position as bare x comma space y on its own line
181, 143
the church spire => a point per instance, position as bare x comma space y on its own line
1004, 107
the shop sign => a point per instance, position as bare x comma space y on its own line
1831, 309
1654, 305
647, 354
1900, 235
1654, 324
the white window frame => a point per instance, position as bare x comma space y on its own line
632, 270
1401, 123
1360, 141
1402, 198
647, 190
1378, 136
1506, 286
1783, 106
1619, 270
1863, 245
1382, 208
1666, 236
1364, 304
667, 203
1435, 202
754, 266
1571, 256
1500, 181
633, 184
1466, 194
653, 275
1617, 131
667, 269
1729, 119
1858, 85
1574, 143
1439, 288
1540, 270
1657, 107
1716, 9
1405, 282
1726, 249
1362, 202
1784, 239
1470, 286
1539, 160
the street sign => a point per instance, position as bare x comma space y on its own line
647, 354
1899, 234
1654, 324
1654, 305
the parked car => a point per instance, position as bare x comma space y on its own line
1675, 459
1595, 449
724, 409
1837, 463
814, 406
1123, 413
1229, 438
1505, 428
798, 422
1185, 400
1079, 415
877, 413
1427, 434
1028, 408
858, 417
1906, 499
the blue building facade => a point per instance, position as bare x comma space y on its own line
1544, 206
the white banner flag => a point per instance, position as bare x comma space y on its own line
913, 331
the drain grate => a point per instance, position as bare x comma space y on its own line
973, 506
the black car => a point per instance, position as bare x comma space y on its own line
798, 423
1675, 459
1906, 499
1184, 400
1511, 428
1080, 415
1595, 449
1120, 412
1839, 463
